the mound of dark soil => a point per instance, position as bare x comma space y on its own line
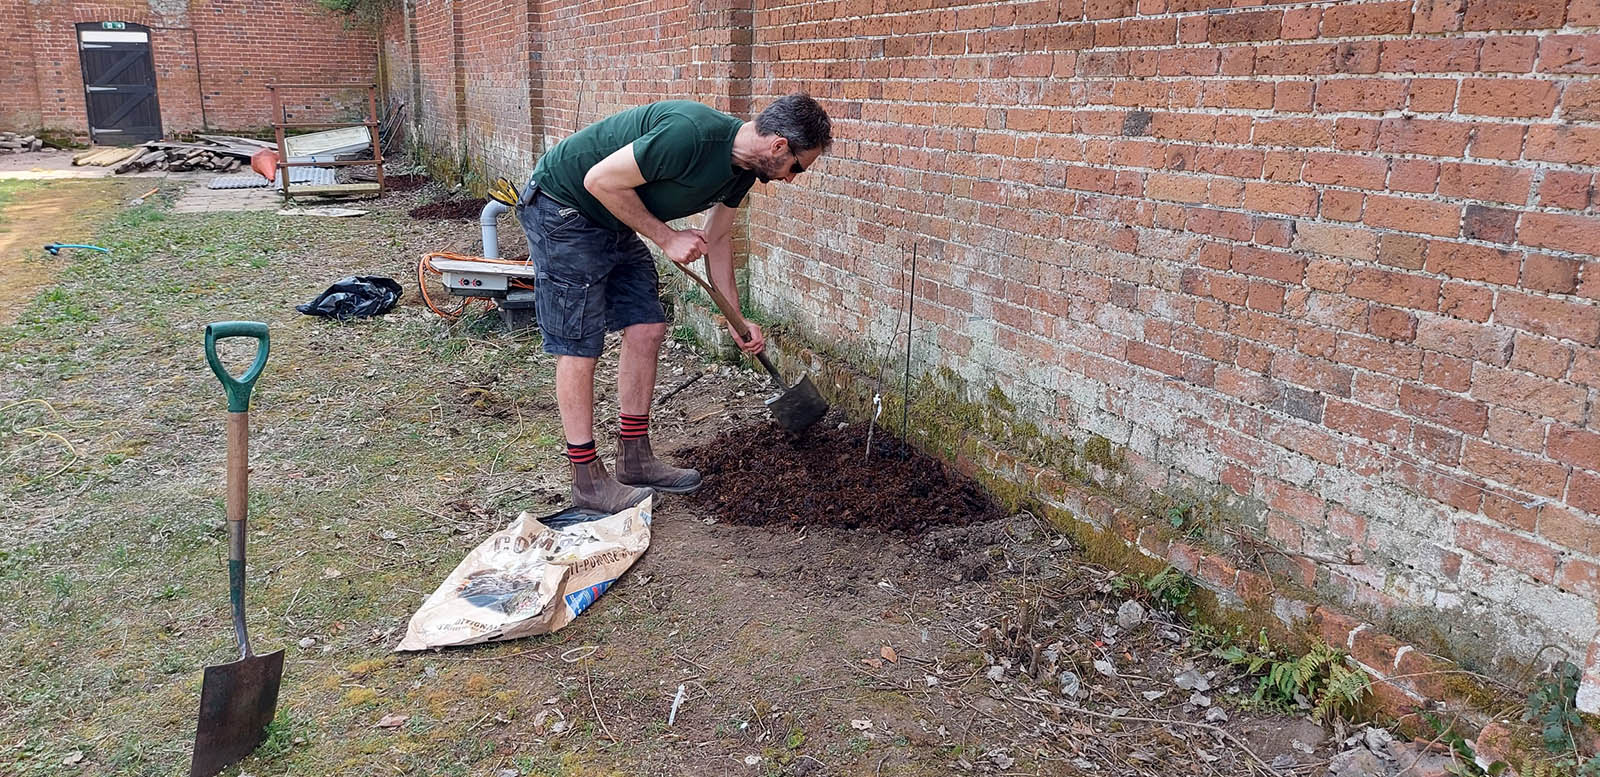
449, 209
759, 476
404, 183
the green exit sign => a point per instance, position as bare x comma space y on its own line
113, 25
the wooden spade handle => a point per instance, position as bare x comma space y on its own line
731, 312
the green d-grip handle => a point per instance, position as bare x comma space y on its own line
238, 388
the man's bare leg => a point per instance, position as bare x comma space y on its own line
592, 486
636, 386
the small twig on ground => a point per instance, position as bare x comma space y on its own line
588, 684
1162, 721
681, 386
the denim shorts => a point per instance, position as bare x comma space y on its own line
587, 279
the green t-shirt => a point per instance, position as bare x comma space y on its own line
684, 149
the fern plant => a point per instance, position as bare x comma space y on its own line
1322, 679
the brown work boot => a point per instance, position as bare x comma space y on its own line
593, 488
638, 466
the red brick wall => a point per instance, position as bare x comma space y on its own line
498, 103
1329, 268
219, 54
20, 108
439, 113
1333, 264
604, 57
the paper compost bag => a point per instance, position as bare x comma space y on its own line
528, 579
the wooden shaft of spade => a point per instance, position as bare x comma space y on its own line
731, 312
238, 507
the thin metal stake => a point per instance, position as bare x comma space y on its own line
911, 326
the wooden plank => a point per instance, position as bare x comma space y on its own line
235, 140
337, 188
487, 268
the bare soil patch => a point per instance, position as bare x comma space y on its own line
448, 209
405, 183
64, 212
758, 475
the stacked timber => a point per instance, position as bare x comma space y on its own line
217, 153
17, 144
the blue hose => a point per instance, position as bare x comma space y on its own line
55, 248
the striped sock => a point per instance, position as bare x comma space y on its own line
635, 426
580, 453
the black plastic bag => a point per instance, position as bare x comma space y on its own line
355, 296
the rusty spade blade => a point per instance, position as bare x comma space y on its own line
237, 702
798, 407
239, 699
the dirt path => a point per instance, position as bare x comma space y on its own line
66, 211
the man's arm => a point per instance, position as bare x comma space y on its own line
613, 181
719, 265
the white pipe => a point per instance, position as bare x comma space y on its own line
486, 220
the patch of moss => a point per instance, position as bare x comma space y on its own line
359, 697
364, 668
1098, 450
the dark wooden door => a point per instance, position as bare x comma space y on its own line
119, 83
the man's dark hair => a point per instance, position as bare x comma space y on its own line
798, 119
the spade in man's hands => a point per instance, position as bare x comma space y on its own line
685, 245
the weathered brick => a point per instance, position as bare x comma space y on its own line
1549, 316
1567, 232
1495, 225
1375, 649
1398, 289
1522, 431
1418, 176
1338, 205
1514, 14
1438, 16
1392, 324
1580, 577
1540, 396
1363, 172
1455, 412
1378, 355
1473, 262
1489, 344
1579, 531
1431, 95
1365, 422
1424, 136
1578, 447
1331, 240
1569, 54
1569, 144
1566, 189
1508, 54
1407, 252
1360, 94
1583, 491
1485, 182
1466, 301
1280, 198
1414, 215
1314, 374
1507, 97
1541, 356
1503, 547
1243, 26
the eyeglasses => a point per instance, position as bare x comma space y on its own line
796, 168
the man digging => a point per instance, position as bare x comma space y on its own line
584, 209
